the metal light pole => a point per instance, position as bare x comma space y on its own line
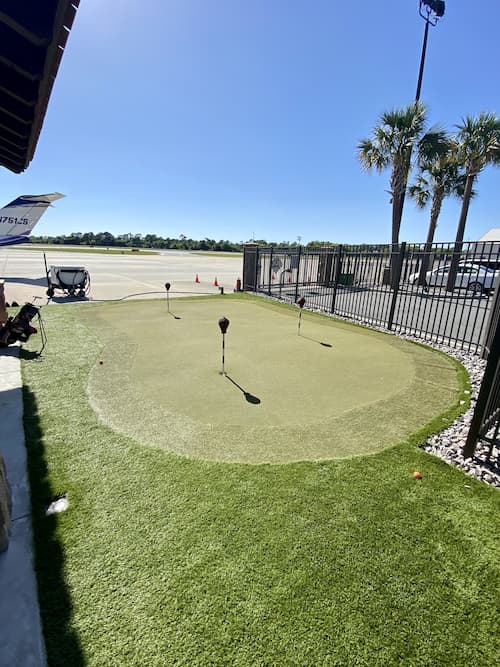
431, 11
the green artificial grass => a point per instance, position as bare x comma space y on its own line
335, 390
167, 560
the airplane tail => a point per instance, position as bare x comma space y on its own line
18, 218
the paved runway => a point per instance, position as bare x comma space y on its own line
117, 276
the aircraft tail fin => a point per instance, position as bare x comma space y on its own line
18, 219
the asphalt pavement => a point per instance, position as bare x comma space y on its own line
116, 276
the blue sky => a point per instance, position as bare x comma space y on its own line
237, 118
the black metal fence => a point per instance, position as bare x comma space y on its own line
404, 289
485, 423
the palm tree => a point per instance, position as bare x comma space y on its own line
391, 145
478, 140
440, 176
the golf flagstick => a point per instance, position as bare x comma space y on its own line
223, 324
301, 303
167, 287
223, 350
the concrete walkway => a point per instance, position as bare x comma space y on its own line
21, 639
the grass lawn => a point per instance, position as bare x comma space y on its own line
85, 249
168, 560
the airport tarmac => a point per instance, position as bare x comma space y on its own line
115, 276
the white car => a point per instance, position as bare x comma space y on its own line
470, 276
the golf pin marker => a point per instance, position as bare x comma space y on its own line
223, 324
301, 303
167, 287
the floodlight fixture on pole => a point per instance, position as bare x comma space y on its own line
301, 303
223, 325
431, 11
167, 287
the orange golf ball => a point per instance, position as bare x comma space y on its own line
417, 474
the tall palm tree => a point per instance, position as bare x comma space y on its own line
478, 140
440, 176
391, 145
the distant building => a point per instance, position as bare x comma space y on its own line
491, 242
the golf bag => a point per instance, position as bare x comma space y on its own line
18, 328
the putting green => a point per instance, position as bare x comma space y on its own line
334, 391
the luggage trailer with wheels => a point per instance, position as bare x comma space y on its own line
71, 280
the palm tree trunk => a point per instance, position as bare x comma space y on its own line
460, 232
399, 179
437, 202
398, 183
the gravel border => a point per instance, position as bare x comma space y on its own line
448, 444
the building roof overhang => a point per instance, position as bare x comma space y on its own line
33, 37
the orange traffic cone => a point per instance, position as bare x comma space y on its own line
216, 284
196, 280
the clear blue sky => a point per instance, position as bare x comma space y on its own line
233, 118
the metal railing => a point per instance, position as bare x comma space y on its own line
402, 288
485, 423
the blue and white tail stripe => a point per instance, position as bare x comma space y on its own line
13, 240
18, 219
34, 200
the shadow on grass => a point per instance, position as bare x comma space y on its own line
250, 398
314, 340
29, 354
62, 644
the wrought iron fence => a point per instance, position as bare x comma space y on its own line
405, 288
485, 423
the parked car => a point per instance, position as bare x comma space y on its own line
475, 277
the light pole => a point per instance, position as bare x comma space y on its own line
431, 11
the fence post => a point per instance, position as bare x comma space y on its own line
488, 385
338, 268
270, 271
257, 268
396, 278
250, 265
493, 322
299, 256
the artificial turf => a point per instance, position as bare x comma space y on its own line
334, 390
167, 560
